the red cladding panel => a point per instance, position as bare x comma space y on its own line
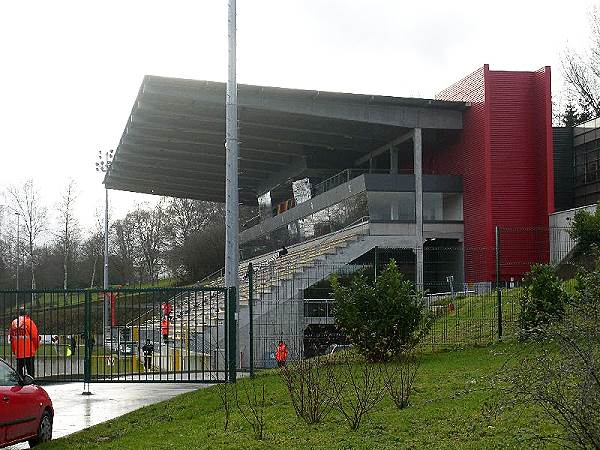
469, 157
504, 155
522, 194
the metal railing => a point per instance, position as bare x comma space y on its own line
344, 177
326, 185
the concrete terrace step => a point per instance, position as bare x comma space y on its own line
273, 276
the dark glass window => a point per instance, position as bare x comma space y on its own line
8, 377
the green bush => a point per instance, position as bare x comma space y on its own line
381, 319
543, 298
587, 282
585, 229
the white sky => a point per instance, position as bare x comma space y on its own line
70, 70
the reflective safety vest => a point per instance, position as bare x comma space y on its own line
164, 327
24, 337
281, 353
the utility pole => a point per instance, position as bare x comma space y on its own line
105, 281
232, 225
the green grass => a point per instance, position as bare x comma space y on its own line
474, 320
447, 411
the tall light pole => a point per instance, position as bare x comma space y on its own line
103, 165
231, 162
18, 259
232, 226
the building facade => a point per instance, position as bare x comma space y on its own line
577, 165
421, 172
343, 181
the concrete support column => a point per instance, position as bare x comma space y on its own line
393, 160
394, 171
418, 170
394, 211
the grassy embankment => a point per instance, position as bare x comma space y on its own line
447, 411
453, 391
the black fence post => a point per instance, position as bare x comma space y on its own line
232, 334
251, 315
498, 287
87, 332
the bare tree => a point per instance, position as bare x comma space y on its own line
310, 383
191, 216
150, 225
26, 201
252, 405
91, 250
69, 227
582, 70
358, 389
123, 245
399, 376
7, 246
225, 396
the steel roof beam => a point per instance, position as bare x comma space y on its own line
325, 124
166, 183
192, 120
178, 172
346, 108
162, 161
384, 148
200, 146
182, 148
195, 195
245, 137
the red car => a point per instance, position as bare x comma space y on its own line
26, 411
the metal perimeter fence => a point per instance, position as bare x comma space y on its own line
124, 335
189, 334
473, 293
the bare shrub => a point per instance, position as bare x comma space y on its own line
252, 404
561, 374
225, 394
358, 389
310, 385
399, 376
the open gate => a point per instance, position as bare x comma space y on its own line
119, 335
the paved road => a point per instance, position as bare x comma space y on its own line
74, 412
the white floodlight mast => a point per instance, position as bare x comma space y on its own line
231, 150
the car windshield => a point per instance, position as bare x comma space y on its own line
8, 377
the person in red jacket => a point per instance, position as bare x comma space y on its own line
24, 342
281, 354
166, 308
164, 330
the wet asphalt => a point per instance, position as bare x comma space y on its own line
74, 412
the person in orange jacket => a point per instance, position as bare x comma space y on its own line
164, 330
24, 342
281, 354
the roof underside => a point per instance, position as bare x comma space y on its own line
173, 143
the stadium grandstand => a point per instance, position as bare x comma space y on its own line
339, 179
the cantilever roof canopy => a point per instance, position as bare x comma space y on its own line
173, 143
